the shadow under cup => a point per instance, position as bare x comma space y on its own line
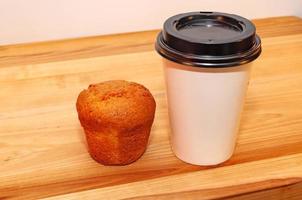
207, 60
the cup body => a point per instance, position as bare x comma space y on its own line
204, 110
207, 58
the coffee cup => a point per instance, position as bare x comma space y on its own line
207, 58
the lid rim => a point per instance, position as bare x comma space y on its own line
208, 61
207, 39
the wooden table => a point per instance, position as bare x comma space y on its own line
43, 151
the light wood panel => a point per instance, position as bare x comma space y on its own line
118, 44
207, 184
42, 148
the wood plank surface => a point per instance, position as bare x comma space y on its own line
212, 183
43, 151
118, 44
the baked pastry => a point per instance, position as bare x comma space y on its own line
117, 117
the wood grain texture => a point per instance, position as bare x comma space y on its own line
290, 192
42, 147
118, 44
212, 183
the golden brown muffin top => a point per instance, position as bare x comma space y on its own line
115, 103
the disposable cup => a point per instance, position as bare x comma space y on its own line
207, 58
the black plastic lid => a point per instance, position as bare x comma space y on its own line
208, 39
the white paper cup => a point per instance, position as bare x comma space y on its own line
205, 92
204, 109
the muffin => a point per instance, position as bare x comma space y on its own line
117, 117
